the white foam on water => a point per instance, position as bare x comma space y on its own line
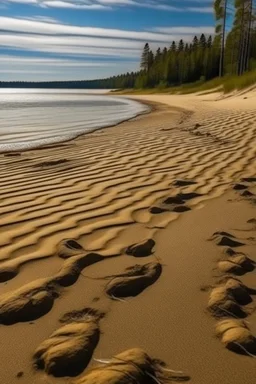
31, 118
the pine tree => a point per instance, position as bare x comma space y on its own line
220, 9
144, 65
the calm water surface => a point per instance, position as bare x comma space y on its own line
31, 117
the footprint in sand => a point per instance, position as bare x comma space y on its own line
157, 210
249, 179
35, 299
176, 203
188, 196
226, 239
68, 248
133, 365
232, 299
65, 249
184, 183
238, 264
236, 336
134, 281
68, 351
239, 187
229, 299
247, 193
244, 187
143, 249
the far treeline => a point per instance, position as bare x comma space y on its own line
231, 51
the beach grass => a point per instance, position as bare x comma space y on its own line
225, 84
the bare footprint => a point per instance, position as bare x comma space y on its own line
236, 336
68, 248
68, 351
183, 183
227, 300
226, 239
35, 299
134, 281
130, 366
143, 249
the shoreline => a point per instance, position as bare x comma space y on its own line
167, 176
149, 105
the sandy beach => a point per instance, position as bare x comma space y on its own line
141, 235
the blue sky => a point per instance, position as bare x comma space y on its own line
87, 39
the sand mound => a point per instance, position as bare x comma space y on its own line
235, 335
132, 366
72, 268
133, 285
239, 265
68, 248
143, 249
68, 350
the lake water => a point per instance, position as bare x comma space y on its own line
30, 118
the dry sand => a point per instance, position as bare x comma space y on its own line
71, 216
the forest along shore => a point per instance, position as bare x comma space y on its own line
135, 242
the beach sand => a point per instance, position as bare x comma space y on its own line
170, 181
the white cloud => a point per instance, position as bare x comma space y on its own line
13, 61
38, 27
161, 5
53, 37
200, 9
185, 30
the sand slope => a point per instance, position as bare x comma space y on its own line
116, 187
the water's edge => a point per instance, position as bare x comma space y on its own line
25, 145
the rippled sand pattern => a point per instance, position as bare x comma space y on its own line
101, 196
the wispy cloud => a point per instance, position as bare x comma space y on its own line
161, 5
185, 30
62, 39
10, 24
11, 60
39, 44
14, 67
